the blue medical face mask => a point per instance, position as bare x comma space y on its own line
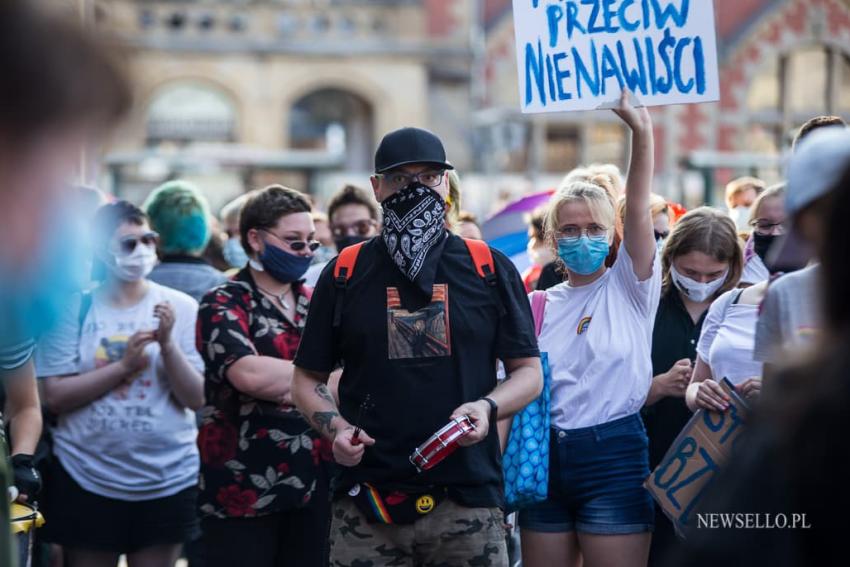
234, 254
583, 255
283, 266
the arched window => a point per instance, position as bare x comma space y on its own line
337, 121
188, 112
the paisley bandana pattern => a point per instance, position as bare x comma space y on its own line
414, 223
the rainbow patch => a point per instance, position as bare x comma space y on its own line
807, 332
378, 506
583, 325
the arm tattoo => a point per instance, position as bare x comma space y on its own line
323, 420
323, 392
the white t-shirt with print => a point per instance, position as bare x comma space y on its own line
136, 442
599, 339
728, 337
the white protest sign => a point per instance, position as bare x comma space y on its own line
580, 54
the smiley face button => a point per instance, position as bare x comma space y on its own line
424, 503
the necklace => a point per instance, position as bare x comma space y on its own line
280, 297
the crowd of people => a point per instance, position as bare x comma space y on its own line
255, 388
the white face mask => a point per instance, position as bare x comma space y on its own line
694, 290
540, 255
137, 265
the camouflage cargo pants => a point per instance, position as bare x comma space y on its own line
450, 536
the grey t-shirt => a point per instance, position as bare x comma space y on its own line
790, 315
136, 442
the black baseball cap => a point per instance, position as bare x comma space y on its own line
409, 145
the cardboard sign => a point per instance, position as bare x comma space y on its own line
679, 482
580, 54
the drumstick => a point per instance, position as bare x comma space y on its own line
363, 407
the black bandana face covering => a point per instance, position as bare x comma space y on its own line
414, 232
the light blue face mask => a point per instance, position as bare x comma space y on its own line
583, 255
234, 254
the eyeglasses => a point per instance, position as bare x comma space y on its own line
765, 227
574, 232
296, 245
359, 228
399, 179
127, 244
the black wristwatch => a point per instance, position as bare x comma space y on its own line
494, 410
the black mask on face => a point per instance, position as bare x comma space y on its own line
761, 244
342, 242
414, 232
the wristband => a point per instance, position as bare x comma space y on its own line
494, 410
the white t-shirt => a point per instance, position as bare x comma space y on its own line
136, 442
311, 277
599, 339
728, 337
755, 271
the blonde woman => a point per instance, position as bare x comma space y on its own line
597, 330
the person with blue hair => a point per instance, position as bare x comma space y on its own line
179, 213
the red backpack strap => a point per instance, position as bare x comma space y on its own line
345, 262
482, 257
343, 271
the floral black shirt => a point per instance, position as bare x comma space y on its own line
257, 457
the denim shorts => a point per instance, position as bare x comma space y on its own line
596, 477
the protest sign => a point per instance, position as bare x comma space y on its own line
580, 54
679, 481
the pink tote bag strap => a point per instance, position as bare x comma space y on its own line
538, 308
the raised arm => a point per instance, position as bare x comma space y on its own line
638, 237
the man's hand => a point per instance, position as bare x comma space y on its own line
348, 451
479, 414
27, 478
675, 381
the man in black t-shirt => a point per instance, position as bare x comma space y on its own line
418, 327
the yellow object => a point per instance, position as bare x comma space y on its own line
23, 518
424, 504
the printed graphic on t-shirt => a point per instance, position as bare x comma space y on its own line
423, 333
111, 350
583, 325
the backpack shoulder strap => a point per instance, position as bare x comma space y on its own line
538, 309
482, 257
343, 271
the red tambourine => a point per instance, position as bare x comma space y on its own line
441, 444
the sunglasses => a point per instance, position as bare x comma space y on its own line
127, 245
296, 245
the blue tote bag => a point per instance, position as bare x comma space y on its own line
525, 463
